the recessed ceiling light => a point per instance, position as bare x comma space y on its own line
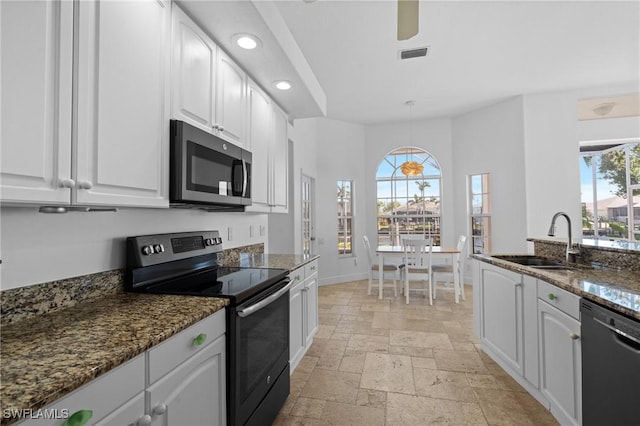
282, 85
246, 41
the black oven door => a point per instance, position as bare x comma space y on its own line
206, 169
258, 356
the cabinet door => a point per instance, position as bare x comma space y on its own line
501, 320
37, 54
311, 294
230, 100
194, 73
280, 156
297, 319
259, 139
193, 394
560, 363
129, 414
123, 125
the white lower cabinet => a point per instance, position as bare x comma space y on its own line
531, 329
560, 354
185, 385
303, 309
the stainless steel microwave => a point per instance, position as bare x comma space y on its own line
207, 171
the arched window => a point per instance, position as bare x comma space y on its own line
408, 196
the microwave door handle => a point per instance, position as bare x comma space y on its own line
245, 178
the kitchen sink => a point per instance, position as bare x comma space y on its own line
533, 261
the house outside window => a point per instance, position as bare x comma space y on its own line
610, 190
345, 216
409, 192
480, 213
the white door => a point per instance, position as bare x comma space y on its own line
308, 216
37, 54
123, 126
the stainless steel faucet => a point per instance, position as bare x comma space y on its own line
571, 253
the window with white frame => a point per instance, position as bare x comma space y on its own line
345, 216
408, 196
610, 190
480, 212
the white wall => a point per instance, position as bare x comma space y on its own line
37, 247
339, 156
491, 140
552, 135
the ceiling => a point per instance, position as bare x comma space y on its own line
343, 55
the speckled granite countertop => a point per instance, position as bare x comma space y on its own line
47, 356
615, 288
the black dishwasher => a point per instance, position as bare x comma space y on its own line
610, 367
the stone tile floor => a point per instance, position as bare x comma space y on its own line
383, 362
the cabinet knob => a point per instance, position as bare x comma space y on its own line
199, 339
144, 420
552, 296
159, 409
221, 128
574, 336
67, 183
85, 184
79, 418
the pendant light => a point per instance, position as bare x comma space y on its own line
411, 168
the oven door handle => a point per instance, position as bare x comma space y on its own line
264, 302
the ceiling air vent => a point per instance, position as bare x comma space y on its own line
414, 53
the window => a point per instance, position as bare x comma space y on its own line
480, 213
345, 216
610, 189
408, 196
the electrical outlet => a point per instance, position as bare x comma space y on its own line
229, 234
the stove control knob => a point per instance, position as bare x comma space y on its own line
218, 240
147, 250
158, 248
208, 242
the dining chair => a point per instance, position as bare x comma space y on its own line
446, 271
395, 270
417, 254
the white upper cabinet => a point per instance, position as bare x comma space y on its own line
37, 58
231, 102
123, 120
105, 141
194, 73
209, 89
260, 123
269, 144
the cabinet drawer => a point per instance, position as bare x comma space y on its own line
567, 302
297, 275
174, 351
310, 268
102, 395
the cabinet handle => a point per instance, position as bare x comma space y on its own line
144, 420
85, 184
574, 336
67, 183
79, 418
552, 296
159, 409
199, 339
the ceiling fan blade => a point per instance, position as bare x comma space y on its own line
407, 19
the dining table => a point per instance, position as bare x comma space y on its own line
396, 253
